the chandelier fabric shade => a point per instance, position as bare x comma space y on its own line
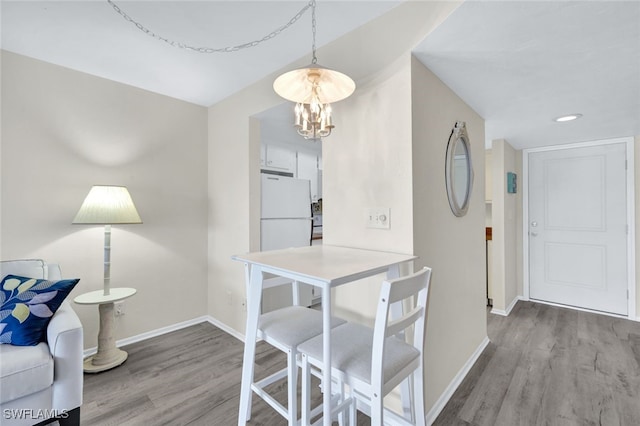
305, 84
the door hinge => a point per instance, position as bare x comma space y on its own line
626, 167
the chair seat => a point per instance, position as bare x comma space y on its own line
24, 370
292, 325
351, 349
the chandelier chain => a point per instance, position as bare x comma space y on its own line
228, 49
312, 3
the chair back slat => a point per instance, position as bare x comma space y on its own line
408, 286
399, 325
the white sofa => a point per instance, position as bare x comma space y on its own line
42, 383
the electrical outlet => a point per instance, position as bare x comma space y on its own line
378, 217
119, 309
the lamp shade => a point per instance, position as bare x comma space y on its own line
106, 205
303, 84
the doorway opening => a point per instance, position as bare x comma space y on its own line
290, 172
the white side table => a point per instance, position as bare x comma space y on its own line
108, 355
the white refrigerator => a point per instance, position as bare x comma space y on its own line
285, 222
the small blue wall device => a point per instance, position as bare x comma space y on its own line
512, 183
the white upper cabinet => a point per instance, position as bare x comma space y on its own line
302, 164
278, 158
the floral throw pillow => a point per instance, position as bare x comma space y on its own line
26, 307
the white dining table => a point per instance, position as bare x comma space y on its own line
323, 266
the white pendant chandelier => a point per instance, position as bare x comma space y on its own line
314, 88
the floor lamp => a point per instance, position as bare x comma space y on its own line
106, 205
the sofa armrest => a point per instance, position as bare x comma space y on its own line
65, 338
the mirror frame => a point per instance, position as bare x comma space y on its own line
458, 135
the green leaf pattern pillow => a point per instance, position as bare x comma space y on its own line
26, 307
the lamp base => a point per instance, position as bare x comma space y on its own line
96, 365
108, 355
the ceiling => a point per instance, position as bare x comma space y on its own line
518, 64
90, 36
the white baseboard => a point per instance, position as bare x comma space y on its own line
157, 332
458, 378
506, 312
222, 326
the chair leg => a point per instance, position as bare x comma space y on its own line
353, 410
306, 391
377, 408
292, 385
418, 397
408, 398
341, 415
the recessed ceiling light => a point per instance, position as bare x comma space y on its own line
569, 117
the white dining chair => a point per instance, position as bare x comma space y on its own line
372, 362
285, 329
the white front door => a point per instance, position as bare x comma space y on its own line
578, 227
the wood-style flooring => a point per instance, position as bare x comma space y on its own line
552, 366
544, 366
187, 377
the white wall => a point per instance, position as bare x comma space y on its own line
63, 131
505, 211
453, 246
369, 165
234, 199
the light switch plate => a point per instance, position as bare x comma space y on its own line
378, 217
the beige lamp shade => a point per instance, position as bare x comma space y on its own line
107, 205
299, 85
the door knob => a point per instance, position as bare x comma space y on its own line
534, 234
534, 224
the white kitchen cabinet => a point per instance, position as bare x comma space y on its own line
278, 158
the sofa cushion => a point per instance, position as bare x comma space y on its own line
26, 307
24, 370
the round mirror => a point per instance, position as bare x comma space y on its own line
458, 170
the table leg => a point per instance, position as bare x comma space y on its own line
254, 295
326, 355
108, 355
